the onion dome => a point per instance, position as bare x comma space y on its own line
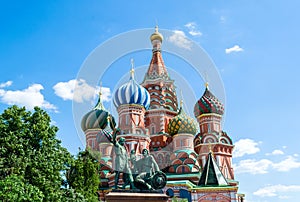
208, 103
132, 93
156, 35
97, 117
182, 123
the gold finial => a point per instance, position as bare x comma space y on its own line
181, 101
132, 69
206, 79
210, 149
100, 90
206, 85
156, 29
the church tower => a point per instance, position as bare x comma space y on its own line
132, 100
209, 110
163, 99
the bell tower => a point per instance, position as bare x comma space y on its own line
208, 111
163, 99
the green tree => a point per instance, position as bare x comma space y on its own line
13, 188
83, 175
32, 160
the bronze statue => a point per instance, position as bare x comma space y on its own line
145, 171
121, 162
149, 177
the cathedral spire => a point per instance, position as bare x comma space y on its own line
157, 67
211, 174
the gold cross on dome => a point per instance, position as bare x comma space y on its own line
132, 68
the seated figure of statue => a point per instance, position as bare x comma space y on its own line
149, 177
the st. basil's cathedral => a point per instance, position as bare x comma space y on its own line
198, 164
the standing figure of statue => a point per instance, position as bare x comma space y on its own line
150, 177
121, 162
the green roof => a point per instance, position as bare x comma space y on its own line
211, 175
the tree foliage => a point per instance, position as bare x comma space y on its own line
32, 160
83, 175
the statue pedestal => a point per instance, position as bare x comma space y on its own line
136, 195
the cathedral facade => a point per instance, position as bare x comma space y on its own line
198, 164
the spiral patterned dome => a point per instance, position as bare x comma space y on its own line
132, 93
96, 118
208, 103
182, 123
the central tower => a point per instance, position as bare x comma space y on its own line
163, 99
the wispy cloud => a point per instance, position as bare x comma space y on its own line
287, 164
245, 146
263, 166
222, 19
235, 48
275, 152
79, 90
29, 97
252, 166
276, 190
179, 39
192, 28
6, 84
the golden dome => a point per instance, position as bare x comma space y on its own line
156, 35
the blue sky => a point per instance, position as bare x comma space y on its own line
253, 44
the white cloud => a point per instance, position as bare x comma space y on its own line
179, 39
29, 97
263, 166
252, 166
222, 19
275, 152
79, 90
245, 146
275, 190
6, 84
235, 48
286, 165
192, 27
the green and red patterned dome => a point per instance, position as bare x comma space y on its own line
182, 123
96, 118
208, 103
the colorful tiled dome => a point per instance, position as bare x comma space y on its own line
96, 118
208, 103
182, 123
132, 93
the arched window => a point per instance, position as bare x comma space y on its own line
93, 143
127, 120
159, 159
168, 158
153, 129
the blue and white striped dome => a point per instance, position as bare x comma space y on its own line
132, 93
